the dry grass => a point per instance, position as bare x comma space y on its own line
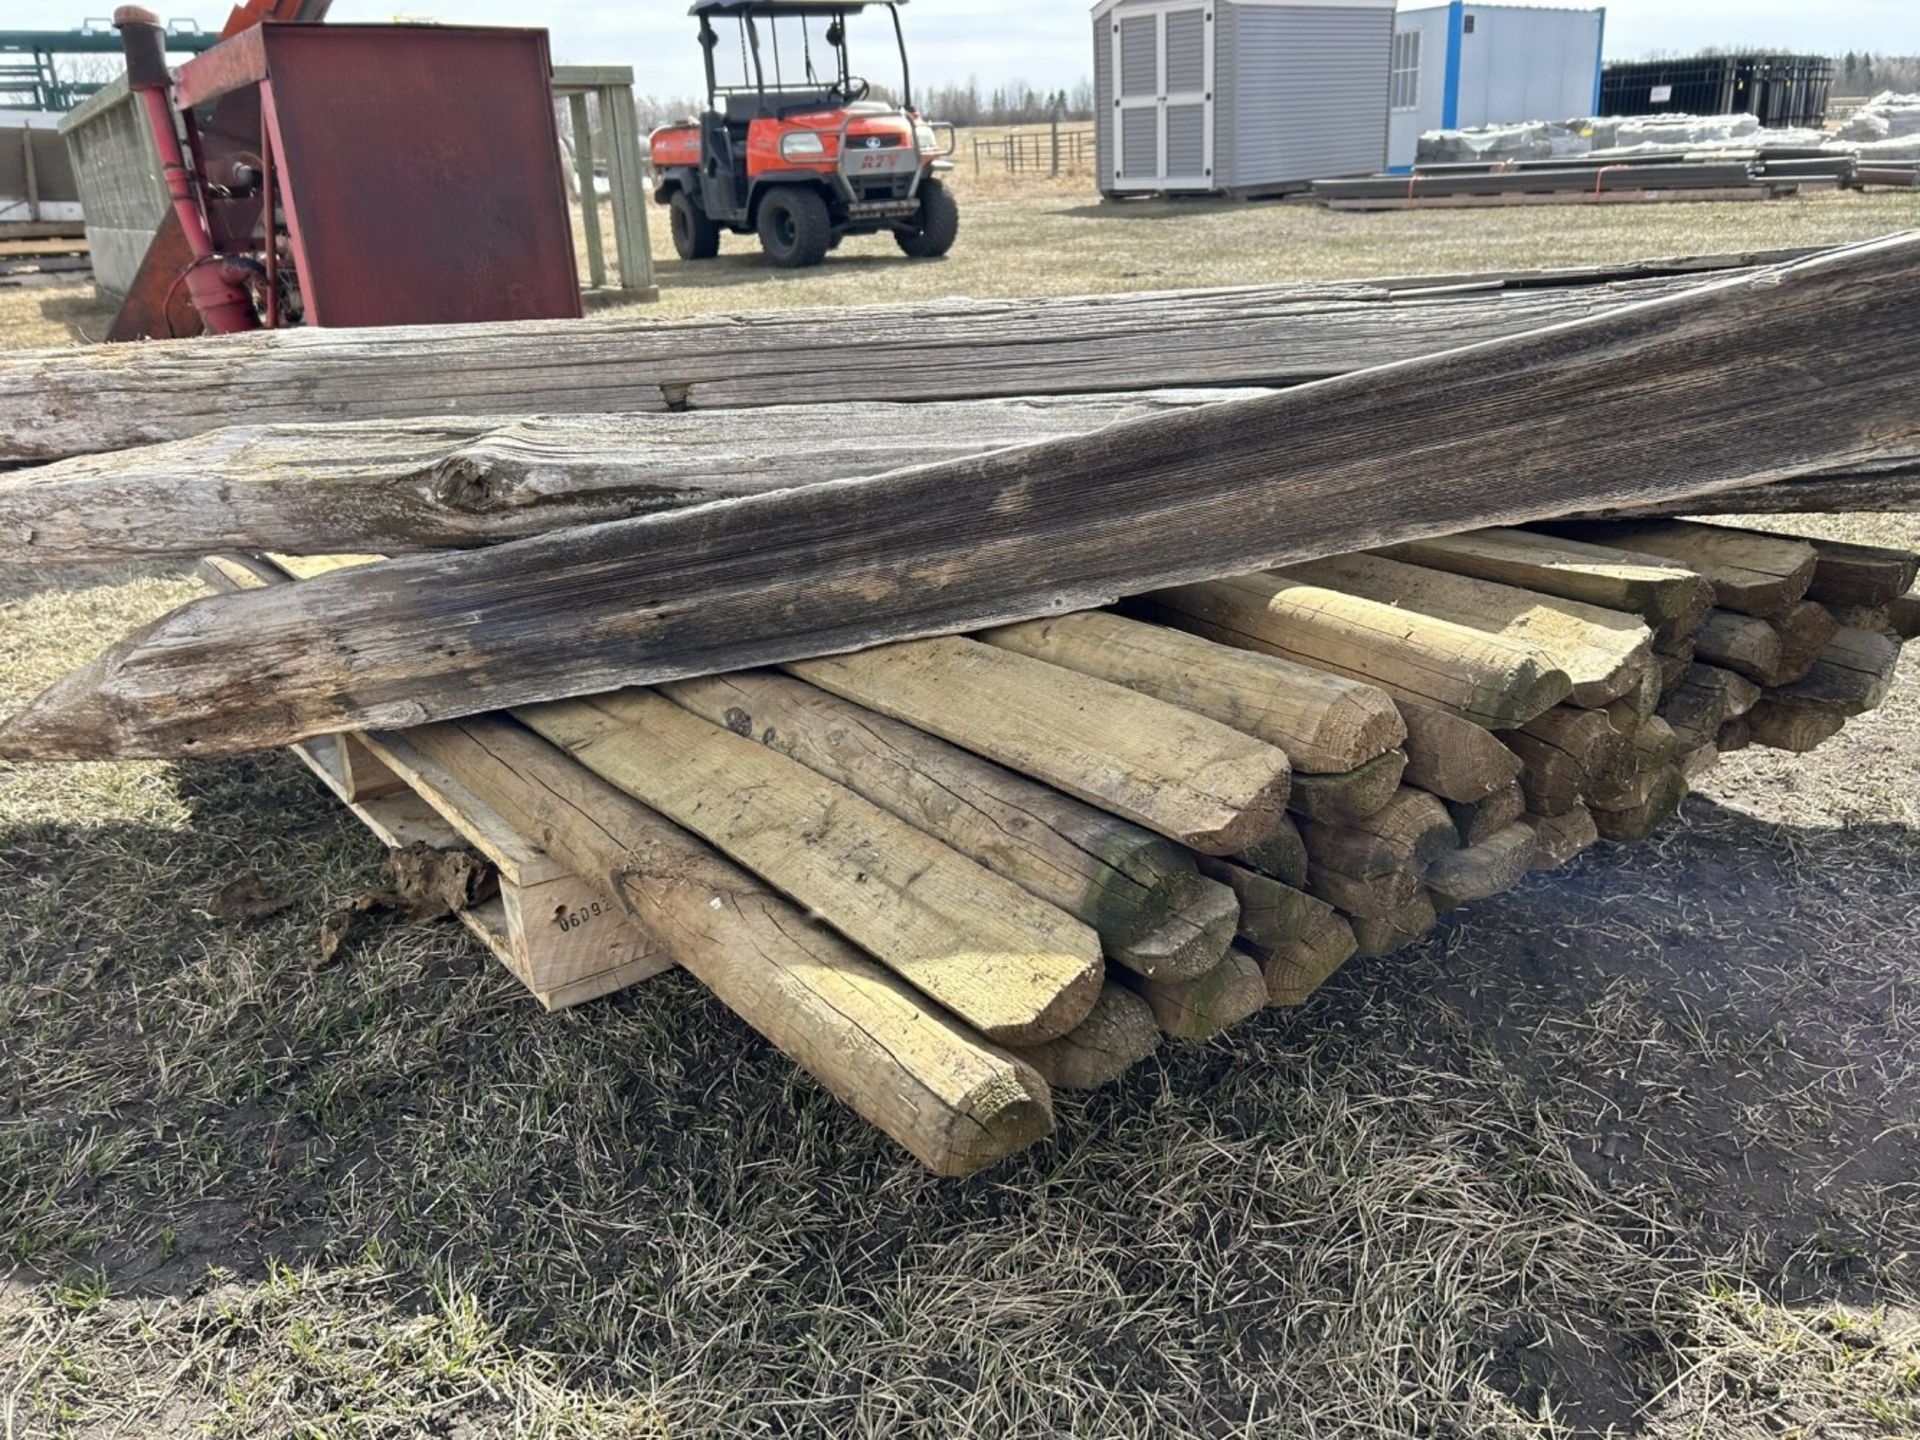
1631, 1151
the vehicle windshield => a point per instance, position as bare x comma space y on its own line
801, 54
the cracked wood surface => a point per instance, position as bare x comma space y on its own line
1016, 968
1604, 652
1127, 882
953, 1100
1324, 723
55, 403
1489, 679
1714, 372
1178, 774
399, 486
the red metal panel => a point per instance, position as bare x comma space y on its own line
228, 66
421, 171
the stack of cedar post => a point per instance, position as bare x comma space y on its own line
969, 782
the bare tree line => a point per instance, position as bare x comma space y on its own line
1015, 102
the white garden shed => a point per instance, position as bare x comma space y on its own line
1241, 96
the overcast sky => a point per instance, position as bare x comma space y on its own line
1043, 41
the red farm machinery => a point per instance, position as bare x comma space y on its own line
349, 175
801, 151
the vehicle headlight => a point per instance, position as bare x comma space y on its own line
801, 142
924, 137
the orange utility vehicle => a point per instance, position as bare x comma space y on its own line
799, 152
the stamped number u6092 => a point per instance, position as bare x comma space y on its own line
574, 919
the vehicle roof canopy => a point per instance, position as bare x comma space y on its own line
806, 8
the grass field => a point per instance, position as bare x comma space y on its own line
1631, 1151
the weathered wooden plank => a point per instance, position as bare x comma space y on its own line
1118, 1033
1323, 722
1603, 652
1126, 882
1351, 795
1903, 614
1272, 914
1559, 839
1201, 1008
1744, 644
1481, 820
1016, 968
1370, 898
1806, 628
1488, 679
1753, 573
1790, 726
1455, 758
1705, 699
68, 402
1481, 871
1409, 833
1298, 967
1853, 675
1567, 752
1848, 574
1283, 855
1669, 597
1062, 525
1178, 774
398, 486
1637, 821
956, 1102
1381, 935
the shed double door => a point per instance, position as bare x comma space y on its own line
1163, 97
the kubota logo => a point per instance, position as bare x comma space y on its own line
874, 142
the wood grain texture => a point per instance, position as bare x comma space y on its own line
1488, 679
1408, 833
1744, 644
1323, 722
1199, 1009
1752, 572
1848, 574
1117, 1034
1481, 871
1715, 373
956, 1102
1271, 913
55, 403
1669, 597
1019, 970
1178, 774
1124, 881
1853, 675
452, 482
1805, 628
1350, 795
1298, 967
1455, 758
1560, 839
1665, 793
1483, 819
1283, 855
1603, 652
1376, 937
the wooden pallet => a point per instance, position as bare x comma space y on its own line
551, 931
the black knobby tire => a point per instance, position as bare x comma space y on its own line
695, 237
936, 227
795, 229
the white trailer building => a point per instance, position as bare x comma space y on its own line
1459, 65
1241, 96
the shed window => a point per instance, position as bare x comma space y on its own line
1406, 70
